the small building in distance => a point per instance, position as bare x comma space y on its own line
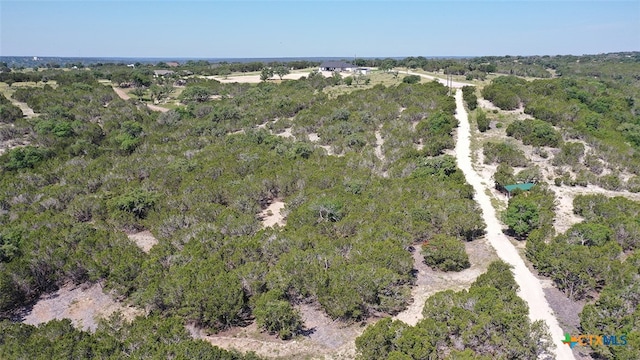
173, 64
337, 66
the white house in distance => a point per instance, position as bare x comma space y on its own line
337, 66
341, 66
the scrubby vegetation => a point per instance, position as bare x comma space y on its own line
589, 116
534, 132
597, 258
592, 115
469, 96
151, 337
445, 253
99, 166
504, 153
485, 322
9, 113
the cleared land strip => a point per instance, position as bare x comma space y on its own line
124, 96
531, 289
26, 110
454, 84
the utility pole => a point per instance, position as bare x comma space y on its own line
449, 79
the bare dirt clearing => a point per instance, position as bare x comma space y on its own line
324, 338
84, 305
273, 214
121, 93
255, 78
565, 217
429, 281
286, 133
144, 239
314, 138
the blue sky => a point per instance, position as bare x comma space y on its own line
219, 29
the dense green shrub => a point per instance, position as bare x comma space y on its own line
529, 210
504, 153
506, 92
24, 158
136, 201
469, 96
570, 154
276, 315
153, 336
534, 132
411, 79
445, 253
9, 113
504, 175
482, 121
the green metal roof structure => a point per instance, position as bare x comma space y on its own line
523, 187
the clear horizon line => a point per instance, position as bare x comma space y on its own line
306, 57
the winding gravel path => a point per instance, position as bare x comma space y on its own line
455, 84
530, 287
124, 96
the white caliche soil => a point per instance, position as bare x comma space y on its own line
123, 95
273, 214
286, 133
26, 110
144, 239
324, 338
251, 339
377, 150
84, 305
255, 78
429, 281
157, 108
314, 138
565, 217
531, 290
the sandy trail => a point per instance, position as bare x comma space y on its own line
531, 290
377, 150
455, 84
26, 110
378, 147
157, 108
124, 96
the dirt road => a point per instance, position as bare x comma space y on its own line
455, 84
531, 290
124, 96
